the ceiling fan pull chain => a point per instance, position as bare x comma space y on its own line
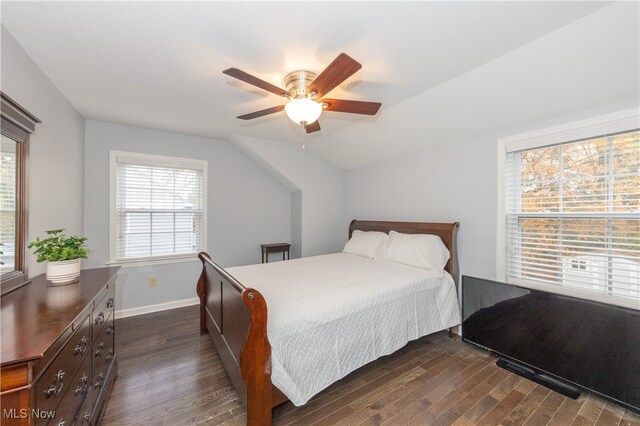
305, 153
304, 137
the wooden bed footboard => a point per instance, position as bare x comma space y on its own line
242, 341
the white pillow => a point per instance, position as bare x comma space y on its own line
370, 244
420, 250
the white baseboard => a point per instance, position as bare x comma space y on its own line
131, 312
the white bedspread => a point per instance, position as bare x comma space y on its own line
329, 315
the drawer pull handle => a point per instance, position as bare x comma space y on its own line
82, 387
110, 355
100, 319
99, 380
52, 390
59, 375
110, 303
80, 349
110, 329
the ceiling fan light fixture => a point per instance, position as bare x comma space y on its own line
303, 111
305, 93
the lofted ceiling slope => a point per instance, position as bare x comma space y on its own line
158, 64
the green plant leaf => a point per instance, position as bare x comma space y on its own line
59, 247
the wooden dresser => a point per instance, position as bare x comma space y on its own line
58, 360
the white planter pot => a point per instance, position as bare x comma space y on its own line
63, 272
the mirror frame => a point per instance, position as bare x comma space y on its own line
18, 124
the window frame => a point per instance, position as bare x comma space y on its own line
613, 123
18, 124
160, 161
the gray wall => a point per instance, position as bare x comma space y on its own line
55, 168
454, 182
296, 224
321, 186
246, 207
444, 184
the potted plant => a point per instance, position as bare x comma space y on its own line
62, 253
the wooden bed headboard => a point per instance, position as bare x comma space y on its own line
448, 232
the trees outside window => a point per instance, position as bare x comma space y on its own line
573, 215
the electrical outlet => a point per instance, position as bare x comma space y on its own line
153, 281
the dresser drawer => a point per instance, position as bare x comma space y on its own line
103, 352
73, 397
84, 414
54, 381
103, 310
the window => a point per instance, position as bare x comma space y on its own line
17, 125
571, 212
10, 150
158, 207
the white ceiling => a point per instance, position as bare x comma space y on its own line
158, 64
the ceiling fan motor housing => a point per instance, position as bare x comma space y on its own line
297, 82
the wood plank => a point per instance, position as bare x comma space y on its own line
630, 419
442, 405
436, 364
475, 413
589, 412
567, 411
422, 391
422, 349
364, 407
545, 411
521, 413
503, 408
465, 402
505, 387
611, 415
491, 405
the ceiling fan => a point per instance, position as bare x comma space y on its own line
305, 93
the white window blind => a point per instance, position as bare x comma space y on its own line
573, 215
8, 191
159, 207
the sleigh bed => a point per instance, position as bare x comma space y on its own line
312, 307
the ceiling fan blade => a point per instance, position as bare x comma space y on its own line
260, 113
313, 127
342, 67
248, 78
353, 107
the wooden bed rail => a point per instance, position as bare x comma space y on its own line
236, 318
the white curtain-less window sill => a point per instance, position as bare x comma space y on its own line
577, 293
149, 261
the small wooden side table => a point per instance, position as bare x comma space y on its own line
275, 248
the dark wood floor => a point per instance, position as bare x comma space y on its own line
170, 375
